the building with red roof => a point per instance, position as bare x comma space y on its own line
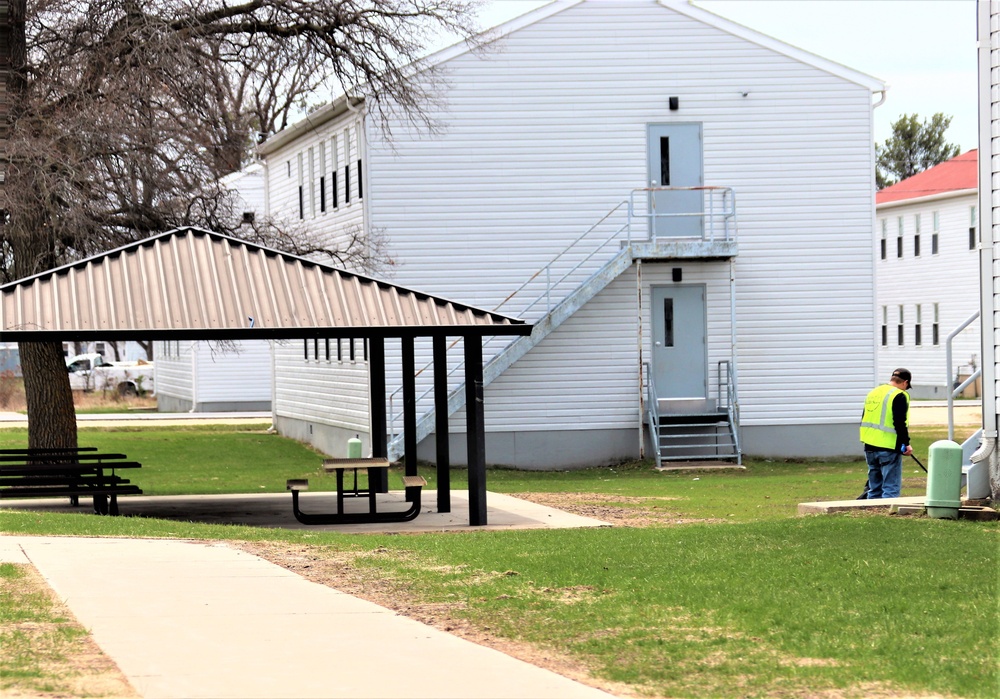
927, 275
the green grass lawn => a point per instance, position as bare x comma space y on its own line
764, 603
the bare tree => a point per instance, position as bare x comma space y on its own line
124, 114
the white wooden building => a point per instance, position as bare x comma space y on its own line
558, 189
927, 275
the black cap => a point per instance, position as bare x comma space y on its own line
902, 375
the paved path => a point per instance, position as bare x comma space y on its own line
189, 620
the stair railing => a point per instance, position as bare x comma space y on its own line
954, 391
717, 214
652, 412
558, 278
730, 403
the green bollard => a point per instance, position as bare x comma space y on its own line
944, 480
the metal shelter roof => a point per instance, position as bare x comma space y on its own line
190, 283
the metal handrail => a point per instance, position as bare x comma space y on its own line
709, 215
732, 404
952, 392
652, 413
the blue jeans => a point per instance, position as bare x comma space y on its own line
885, 474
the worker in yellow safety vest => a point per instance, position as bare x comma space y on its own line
885, 435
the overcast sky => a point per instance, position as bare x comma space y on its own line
924, 49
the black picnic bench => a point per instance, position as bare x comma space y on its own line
412, 485
66, 472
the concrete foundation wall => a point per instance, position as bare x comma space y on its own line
326, 438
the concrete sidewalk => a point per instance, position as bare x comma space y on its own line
186, 619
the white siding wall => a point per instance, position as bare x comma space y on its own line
949, 279
546, 136
318, 390
322, 153
241, 373
172, 369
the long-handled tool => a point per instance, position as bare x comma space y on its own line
864, 493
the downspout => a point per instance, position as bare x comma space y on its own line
987, 448
638, 319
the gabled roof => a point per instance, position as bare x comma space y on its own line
342, 104
191, 283
960, 174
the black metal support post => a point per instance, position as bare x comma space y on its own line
441, 423
378, 478
475, 429
409, 408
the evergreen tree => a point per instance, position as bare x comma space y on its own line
913, 147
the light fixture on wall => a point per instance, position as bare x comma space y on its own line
675, 103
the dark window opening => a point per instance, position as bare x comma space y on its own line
302, 203
916, 246
916, 335
934, 244
664, 161
972, 238
668, 322
340, 351
347, 184
883, 248
361, 193
351, 347
322, 194
899, 246
899, 335
333, 181
327, 349
935, 338
885, 335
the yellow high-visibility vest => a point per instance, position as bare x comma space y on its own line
876, 424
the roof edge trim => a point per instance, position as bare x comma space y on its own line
686, 7
954, 193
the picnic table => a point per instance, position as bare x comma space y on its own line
412, 485
66, 472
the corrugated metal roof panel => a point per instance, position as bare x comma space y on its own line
191, 281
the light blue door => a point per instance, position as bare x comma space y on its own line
679, 341
675, 160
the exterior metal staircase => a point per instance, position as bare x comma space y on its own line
574, 277
695, 429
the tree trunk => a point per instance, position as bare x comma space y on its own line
52, 419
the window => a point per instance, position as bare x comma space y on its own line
312, 185
899, 328
885, 233
885, 326
357, 133
916, 329
936, 220
916, 235
327, 349
289, 169
335, 164
302, 201
973, 238
347, 166
322, 177
935, 338
668, 322
899, 236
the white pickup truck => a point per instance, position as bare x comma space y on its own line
91, 372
